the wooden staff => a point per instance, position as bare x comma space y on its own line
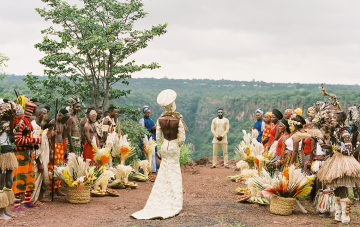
53, 156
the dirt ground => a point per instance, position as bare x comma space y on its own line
209, 200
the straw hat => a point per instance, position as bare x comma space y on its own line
166, 97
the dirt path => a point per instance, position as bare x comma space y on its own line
209, 200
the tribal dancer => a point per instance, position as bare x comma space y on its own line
8, 161
60, 155
354, 125
98, 125
82, 124
109, 122
341, 170
23, 176
41, 155
73, 138
91, 137
166, 197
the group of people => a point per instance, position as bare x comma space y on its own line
325, 143
32, 142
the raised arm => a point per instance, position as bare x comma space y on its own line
21, 140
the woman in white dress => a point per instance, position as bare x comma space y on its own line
166, 198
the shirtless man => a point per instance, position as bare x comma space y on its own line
73, 142
110, 122
98, 125
60, 155
91, 136
82, 124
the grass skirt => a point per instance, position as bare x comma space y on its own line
8, 161
10, 196
4, 202
340, 170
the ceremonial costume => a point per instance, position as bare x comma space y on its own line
76, 143
342, 169
8, 161
24, 175
59, 160
43, 155
89, 153
166, 198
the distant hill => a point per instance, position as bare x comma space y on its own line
198, 101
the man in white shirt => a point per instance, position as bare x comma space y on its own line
220, 128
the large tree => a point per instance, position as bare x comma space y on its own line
90, 49
3, 60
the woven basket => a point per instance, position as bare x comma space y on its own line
78, 195
281, 205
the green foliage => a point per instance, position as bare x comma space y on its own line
185, 153
198, 100
3, 75
89, 53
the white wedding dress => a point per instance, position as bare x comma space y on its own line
166, 198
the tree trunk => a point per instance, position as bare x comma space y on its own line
106, 97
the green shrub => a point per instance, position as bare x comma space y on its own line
185, 153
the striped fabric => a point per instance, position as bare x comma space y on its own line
23, 141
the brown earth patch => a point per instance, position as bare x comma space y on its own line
209, 200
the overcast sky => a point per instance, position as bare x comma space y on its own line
307, 41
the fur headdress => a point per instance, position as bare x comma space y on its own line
71, 102
335, 103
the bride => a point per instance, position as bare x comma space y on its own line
166, 198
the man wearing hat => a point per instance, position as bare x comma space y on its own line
166, 197
220, 128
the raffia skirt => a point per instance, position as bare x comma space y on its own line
4, 201
8, 161
340, 171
